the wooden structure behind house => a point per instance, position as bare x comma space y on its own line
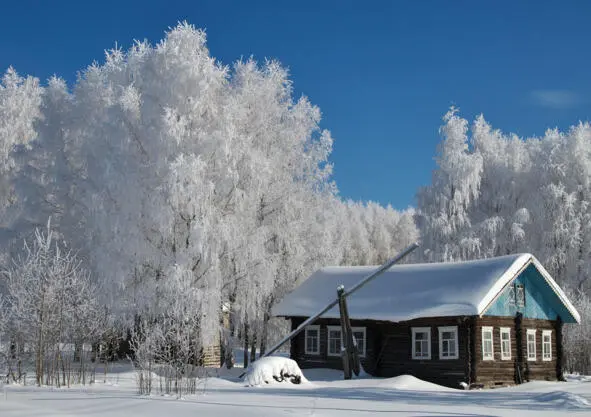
213, 354
485, 323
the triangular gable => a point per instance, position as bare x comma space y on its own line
542, 298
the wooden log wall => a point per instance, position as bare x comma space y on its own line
389, 351
503, 372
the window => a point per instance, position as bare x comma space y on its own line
531, 344
546, 345
334, 340
448, 342
487, 343
312, 345
421, 343
505, 343
520, 295
359, 334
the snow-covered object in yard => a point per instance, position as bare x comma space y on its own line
273, 369
406, 292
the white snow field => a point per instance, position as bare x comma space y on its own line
322, 394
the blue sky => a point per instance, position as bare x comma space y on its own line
382, 72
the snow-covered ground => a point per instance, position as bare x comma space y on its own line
324, 394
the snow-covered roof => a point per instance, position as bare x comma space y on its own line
406, 292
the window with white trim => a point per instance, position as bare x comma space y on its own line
335, 340
359, 335
312, 340
546, 345
531, 344
487, 343
505, 343
334, 337
448, 342
421, 343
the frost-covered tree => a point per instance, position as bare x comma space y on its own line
20, 100
576, 338
445, 220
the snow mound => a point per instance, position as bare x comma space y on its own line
273, 369
564, 399
409, 382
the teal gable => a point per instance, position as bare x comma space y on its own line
539, 299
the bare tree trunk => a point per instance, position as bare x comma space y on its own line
253, 348
82, 364
264, 334
245, 336
39, 360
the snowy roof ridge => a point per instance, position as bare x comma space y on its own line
409, 291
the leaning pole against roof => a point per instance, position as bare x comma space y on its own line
350, 346
349, 352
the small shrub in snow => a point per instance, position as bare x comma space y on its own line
273, 369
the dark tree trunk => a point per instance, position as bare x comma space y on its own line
77, 352
253, 349
264, 334
245, 336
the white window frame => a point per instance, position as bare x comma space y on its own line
416, 330
453, 329
504, 354
531, 357
360, 348
333, 329
549, 344
309, 351
485, 356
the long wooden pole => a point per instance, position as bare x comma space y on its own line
347, 293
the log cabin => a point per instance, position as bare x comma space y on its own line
482, 323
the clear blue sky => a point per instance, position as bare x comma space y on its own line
382, 72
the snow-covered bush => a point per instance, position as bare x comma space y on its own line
54, 313
273, 369
170, 335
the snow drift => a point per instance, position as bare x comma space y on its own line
411, 383
562, 399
